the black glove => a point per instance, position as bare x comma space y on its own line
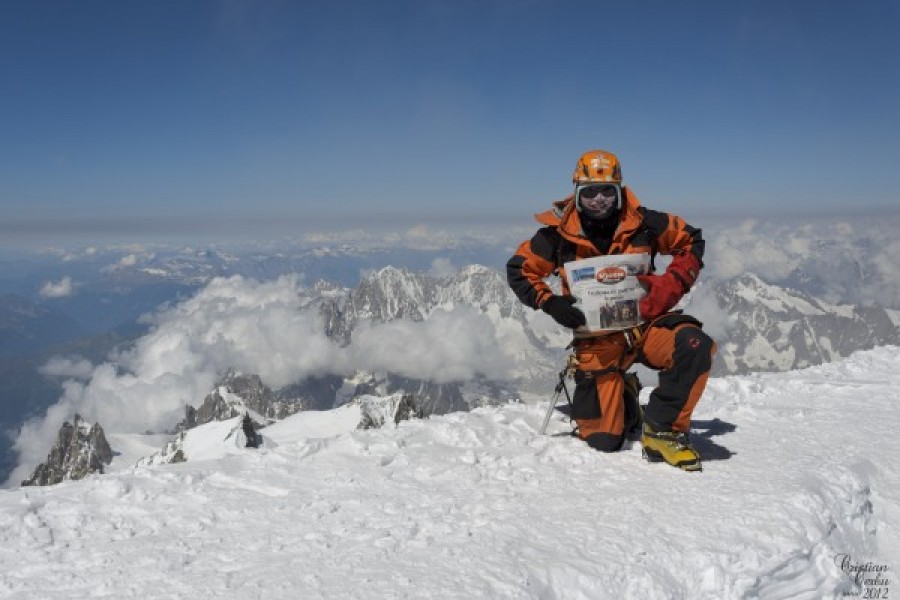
562, 311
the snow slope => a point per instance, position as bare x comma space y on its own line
799, 467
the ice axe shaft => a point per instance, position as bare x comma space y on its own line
549, 411
569, 369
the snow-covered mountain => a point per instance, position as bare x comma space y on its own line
209, 440
766, 327
770, 328
798, 494
227, 433
392, 294
758, 326
239, 394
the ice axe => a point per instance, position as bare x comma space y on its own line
567, 371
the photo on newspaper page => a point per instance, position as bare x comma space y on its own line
607, 291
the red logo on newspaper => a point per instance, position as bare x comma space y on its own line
610, 275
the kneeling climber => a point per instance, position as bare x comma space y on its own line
600, 218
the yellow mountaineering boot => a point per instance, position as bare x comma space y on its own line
670, 446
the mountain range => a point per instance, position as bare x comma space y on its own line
758, 326
770, 328
761, 327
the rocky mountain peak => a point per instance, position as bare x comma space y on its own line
80, 450
772, 328
392, 293
480, 287
236, 394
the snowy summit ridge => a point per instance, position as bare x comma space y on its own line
478, 504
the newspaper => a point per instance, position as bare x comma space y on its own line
607, 291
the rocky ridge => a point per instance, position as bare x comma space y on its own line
80, 449
770, 328
237, 394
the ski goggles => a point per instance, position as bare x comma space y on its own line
598, 198
607, 190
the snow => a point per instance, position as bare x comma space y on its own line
314, 425
214, 440
759, 353
774, 298
799, 468
128, 448
239, 404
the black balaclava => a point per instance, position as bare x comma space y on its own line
600, 231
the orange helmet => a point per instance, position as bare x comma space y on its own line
597, 166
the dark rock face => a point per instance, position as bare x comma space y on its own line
312, 393
254, 439
213, 408
377, 411
236, 394
256, 396
407, 409
430, 398
78, 452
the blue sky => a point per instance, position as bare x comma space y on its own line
174, 116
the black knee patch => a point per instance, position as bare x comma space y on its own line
692, 358
694, 347
605, 442
585, 404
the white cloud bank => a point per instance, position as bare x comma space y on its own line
68, 368
840, 261
61, 289
256, 327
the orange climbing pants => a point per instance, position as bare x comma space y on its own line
674, 344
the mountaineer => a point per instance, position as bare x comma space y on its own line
604, 218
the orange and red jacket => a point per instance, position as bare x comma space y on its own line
640, 230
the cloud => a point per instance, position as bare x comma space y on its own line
447, 346
838, 260
255, 327
335, 237
750, 248
86, 253
703, 304
70, 368
64, 287
441, 267
130, 260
